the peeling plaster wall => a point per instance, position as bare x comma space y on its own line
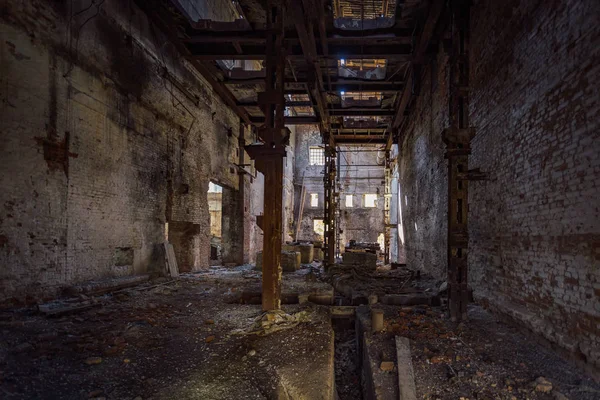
534, 226
98, 150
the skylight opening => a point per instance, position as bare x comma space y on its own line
370, 68
364, 14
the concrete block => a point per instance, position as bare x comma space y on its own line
290, 261
318, 254
366, 260
306, 252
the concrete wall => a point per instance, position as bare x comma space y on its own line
98, 150
360, 173
312, 178
535, 225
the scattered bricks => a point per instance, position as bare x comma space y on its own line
386, 366
543, 385
364, 260
290, 261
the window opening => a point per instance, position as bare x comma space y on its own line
314, 200
370, 200
316, 155
349, 201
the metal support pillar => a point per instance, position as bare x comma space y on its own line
330, 203
457, 138
269, 156
387, 198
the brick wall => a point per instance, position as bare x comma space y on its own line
535, 225
422, 184
98, 149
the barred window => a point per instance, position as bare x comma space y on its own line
316, 155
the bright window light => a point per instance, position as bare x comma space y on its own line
342, 61
316, 155
314, 200
318, 227
370, 200
212, 188
349, 201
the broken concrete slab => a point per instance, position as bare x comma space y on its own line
364, 260
406, 375
377, 384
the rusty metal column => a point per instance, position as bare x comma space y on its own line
387, 197
269, 156
329, 202
457, 138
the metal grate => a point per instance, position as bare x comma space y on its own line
316, 155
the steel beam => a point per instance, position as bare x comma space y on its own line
457, 138
269, 157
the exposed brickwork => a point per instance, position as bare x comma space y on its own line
535, 225
98, 149
423, 183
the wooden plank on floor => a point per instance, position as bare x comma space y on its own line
406, 375
171, 260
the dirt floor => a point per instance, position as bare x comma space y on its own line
482, 359
174, 341
192, 338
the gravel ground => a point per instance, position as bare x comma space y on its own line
172, 341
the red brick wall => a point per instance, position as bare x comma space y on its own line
535, 224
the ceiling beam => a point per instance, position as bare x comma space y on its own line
360, 113
307, 42
362, 140
253, 51
336, 86
302, 120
